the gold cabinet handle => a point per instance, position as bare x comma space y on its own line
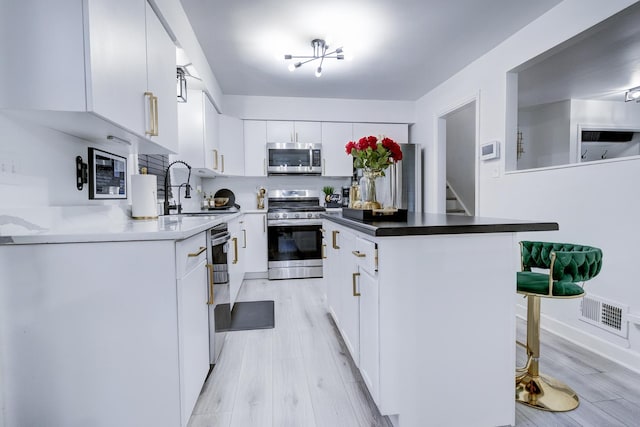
359, 254
235, 250
355, 293
335, 235
244, 236
324, 252
202, 249
222, 162
153, 116
211, 298
215, 160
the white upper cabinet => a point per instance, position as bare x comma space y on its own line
117, 61
211, 148
161, 82
198, 134
399, 132
255, 148
335, 161
85, 67
231, 142
283, 131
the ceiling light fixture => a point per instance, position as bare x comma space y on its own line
632, 95
320, 48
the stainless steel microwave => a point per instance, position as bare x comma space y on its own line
294, 158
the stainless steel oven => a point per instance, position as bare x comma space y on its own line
294, 158
294, 233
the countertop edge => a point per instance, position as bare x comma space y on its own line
62, 237
378, 229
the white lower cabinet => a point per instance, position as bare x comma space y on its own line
102, 334
256, 241
236, 257
193, 320
347, 293
353, 299
369, 331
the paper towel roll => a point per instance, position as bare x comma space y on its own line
144, 203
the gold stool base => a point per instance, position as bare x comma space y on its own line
545, 393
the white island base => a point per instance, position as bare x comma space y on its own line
456, 333
426, 310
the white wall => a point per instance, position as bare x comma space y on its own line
245, 189
319, 109
585, 199
40, 168
545, 135
461, 154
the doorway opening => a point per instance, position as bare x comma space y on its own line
457, 136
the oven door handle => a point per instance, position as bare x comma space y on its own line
293, 222
219, 239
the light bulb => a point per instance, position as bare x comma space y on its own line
292, 67
635, 94
318, 71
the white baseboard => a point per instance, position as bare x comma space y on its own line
258, 275
623, 356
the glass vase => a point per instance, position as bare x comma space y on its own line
368, 188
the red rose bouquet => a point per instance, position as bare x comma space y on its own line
374, 153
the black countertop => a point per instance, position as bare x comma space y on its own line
423, 224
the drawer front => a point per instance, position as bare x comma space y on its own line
189, 253
367, 255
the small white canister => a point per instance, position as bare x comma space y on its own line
144, 200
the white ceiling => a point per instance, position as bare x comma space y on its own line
401, 48
601, 63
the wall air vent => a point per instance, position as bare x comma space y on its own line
608, 315
606, 136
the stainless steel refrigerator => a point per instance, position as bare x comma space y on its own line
406, 177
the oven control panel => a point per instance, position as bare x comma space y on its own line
293, 215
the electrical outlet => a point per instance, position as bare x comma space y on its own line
8, 163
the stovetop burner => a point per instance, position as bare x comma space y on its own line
294, 204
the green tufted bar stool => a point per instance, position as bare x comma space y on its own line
566, 264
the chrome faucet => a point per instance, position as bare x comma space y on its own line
187, 190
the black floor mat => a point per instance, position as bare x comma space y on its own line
245, 316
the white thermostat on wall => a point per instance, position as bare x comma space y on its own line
490, 150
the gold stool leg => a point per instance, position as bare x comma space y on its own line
533, 389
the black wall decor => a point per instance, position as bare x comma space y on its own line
107, 175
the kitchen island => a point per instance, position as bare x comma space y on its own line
426, 309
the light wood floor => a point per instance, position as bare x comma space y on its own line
299, 374
609, 393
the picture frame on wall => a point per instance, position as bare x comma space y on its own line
107, 175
